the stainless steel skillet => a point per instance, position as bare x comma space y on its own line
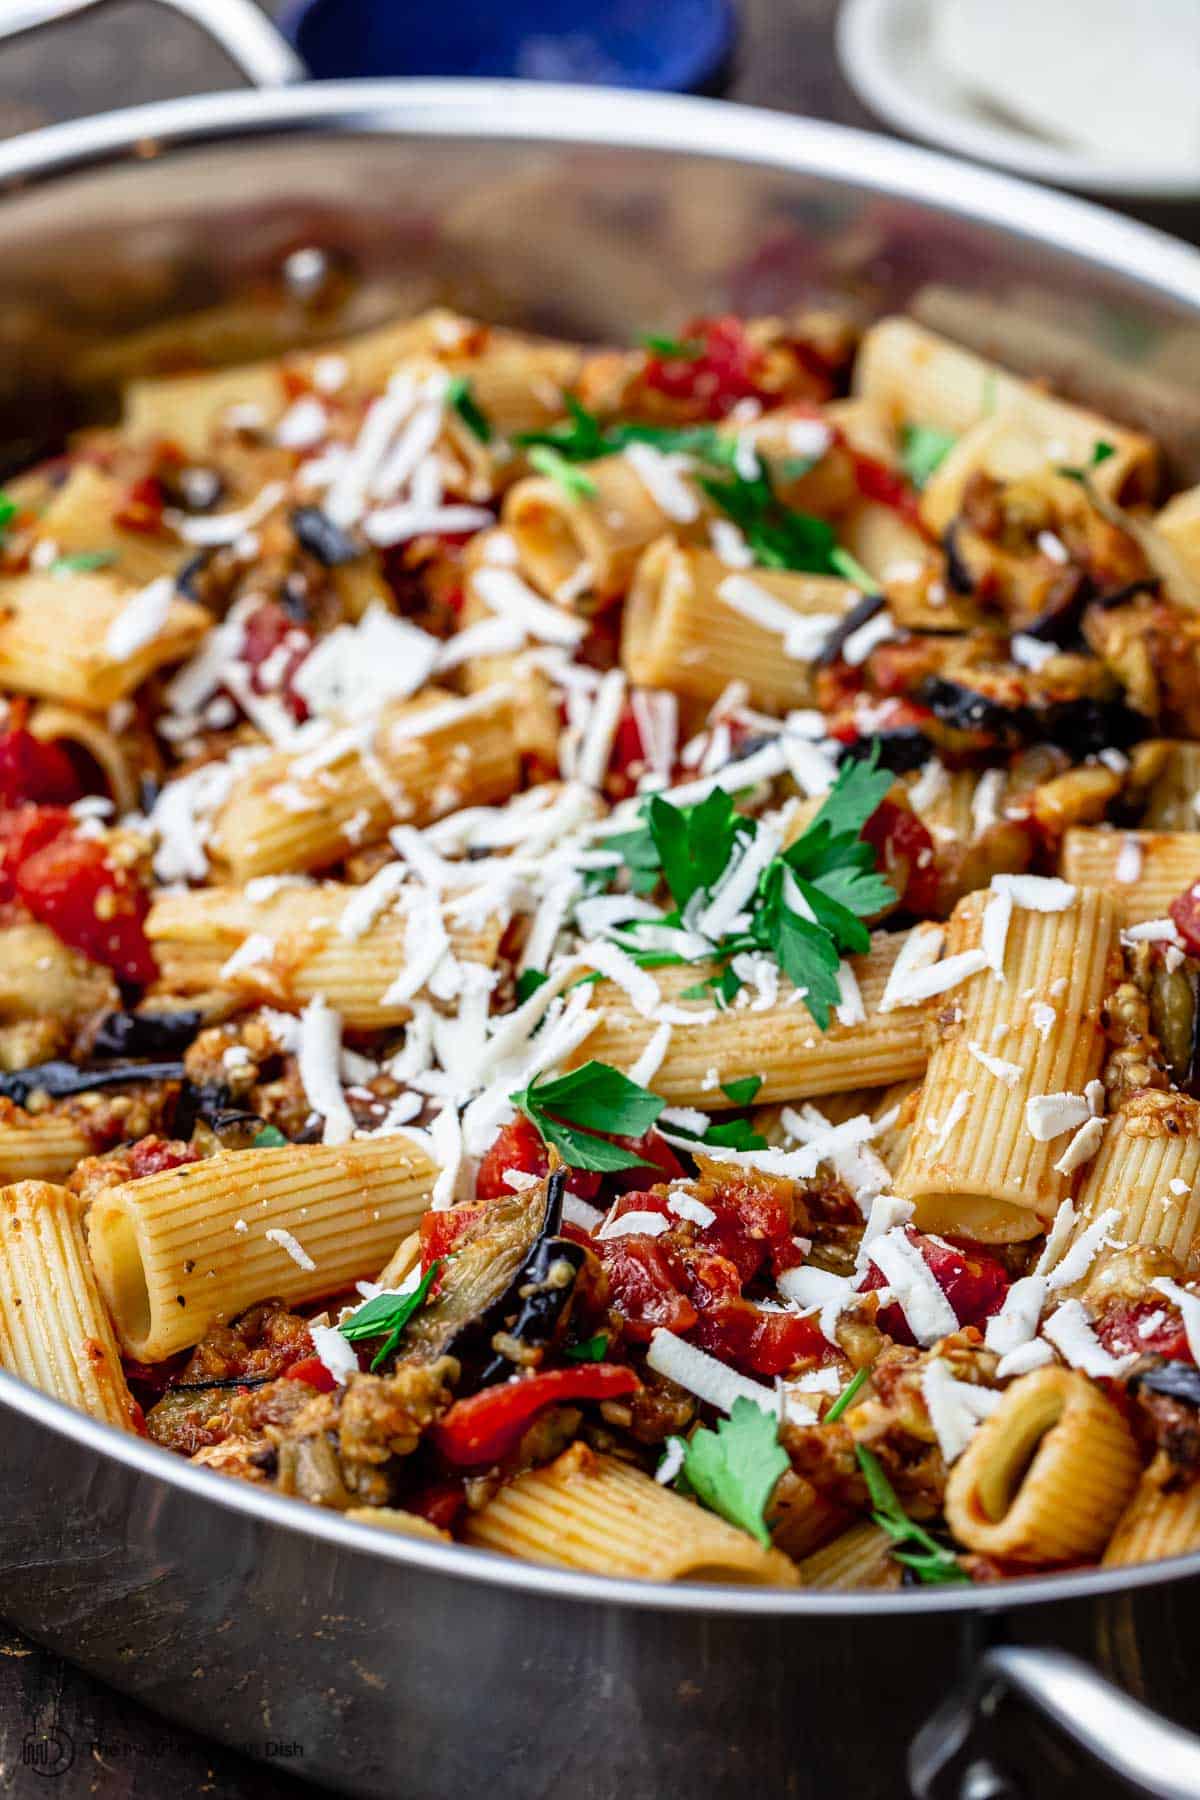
404, 1668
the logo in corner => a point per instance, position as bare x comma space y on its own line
48, 1752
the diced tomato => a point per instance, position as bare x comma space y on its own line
709, 385
31, 771
154, 1155
974, 1284
490, 1424
141, 506
645, 1277
22, 833
663, 1163
266, 630
519, 1146
877, 482
442, 1232
1118, 1329
312, 1371
904, 852
70, 886
439, 1501
754, 1340
1185, 911
751, 1226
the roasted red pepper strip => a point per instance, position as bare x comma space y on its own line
485, 1427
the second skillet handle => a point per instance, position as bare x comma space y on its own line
1155, 1757
241, 28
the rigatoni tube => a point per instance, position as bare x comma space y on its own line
1162, 1519
1142, 870
1046, 1477
973, 1165
176, 1251
305, 950
298, 811
693, 624
780, 1042
593, 1512
1148, 1168
54, 1331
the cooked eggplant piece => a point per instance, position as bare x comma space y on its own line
831, 649
899, 751
185, 580
145, 1034
317, 533
1059, 623
1174, 1018
506, 1291
1176, 1380
61, 1079
1121, 596
966, 709
1087, 726
211, 1104
958, 576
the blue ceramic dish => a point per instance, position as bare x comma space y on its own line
665, 45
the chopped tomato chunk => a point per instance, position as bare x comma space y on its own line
1185, 911
905, 855
1120, 1330
312, 1371
974, 1284
442, 1232
33, 771
519, 1146
645, 1277
22, 833
273, 647
877, 482
757, 1341
727, 368
97, 909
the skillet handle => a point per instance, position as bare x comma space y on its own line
1137, 1746
241, 28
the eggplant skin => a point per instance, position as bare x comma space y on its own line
898, 751
966, 709
61, 1079
1174, 1380
318, 534
145, 1034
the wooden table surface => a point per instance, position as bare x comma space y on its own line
96, 1742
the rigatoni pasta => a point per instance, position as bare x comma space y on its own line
600, 951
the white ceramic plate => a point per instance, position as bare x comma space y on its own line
884, 49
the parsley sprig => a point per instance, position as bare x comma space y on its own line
923, 449
460, 397
571, 1111
734, 1469
387, 1315
8, 512
778, 536
930, 1561
808, 909
671, 349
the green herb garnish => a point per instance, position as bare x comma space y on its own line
1101, 451
733, 1470
593, 1349
387, 1315
570, 1111
673, 349
741, 1093
528, 983
923, 449
269, 1138
851, 570
929, 1561
778, 537
83, 562
810, 901
571, 480
468, 409
8, 512
847, 1397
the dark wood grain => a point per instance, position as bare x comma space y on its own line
50, 1713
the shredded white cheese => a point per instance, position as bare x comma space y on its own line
704, 1376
